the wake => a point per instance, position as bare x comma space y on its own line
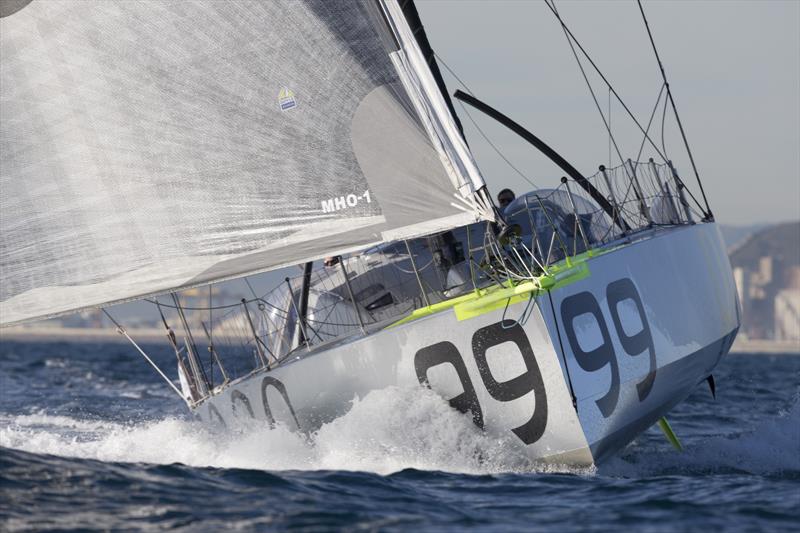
386, 431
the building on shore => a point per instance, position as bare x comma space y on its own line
766, 269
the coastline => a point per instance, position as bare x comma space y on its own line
62, 334
765, 347
146, 335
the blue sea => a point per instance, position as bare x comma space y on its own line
90, 439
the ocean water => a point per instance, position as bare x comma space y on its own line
91, 439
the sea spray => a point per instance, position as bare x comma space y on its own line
386, 431
114, 463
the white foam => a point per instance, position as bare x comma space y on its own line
387, 431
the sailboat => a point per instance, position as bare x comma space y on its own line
153, 147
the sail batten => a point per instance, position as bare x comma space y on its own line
152, 146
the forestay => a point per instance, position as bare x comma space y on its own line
150, 146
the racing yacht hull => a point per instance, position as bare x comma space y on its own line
571, 374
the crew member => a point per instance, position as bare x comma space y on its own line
505, 197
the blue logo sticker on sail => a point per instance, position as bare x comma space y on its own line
286, 99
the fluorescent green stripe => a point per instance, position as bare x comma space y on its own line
485, 300
496, 300
440, 306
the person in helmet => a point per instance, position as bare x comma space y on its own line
505, 197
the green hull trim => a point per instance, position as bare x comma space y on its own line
483, 301
502, 297
437, 307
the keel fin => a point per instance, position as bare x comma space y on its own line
671, 437
712, 385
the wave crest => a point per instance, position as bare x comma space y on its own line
384, 432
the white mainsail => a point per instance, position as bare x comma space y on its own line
155, 145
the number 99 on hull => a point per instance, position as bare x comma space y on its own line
568, 375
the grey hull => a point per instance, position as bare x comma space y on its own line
595, 362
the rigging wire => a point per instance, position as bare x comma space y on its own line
663, 120
121, 330
452, 72
650, 122
675, 109
496, 149
602, 76
210, 335
571, 38
480, 131
189, 308
567, 34
609, 128
247, 281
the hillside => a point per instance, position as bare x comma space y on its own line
781, 242
736, 235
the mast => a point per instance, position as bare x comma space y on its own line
415, 23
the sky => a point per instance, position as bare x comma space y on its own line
733, 67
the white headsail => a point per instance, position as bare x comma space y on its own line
149, 146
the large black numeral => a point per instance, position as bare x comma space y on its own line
237, 397
514, 388
571, 308
281, 388
213, 412
506, 391
634, 345
439, 354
